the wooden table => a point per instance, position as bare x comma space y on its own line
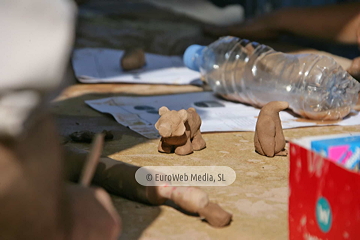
258, 198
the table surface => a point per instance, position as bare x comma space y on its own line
257, 199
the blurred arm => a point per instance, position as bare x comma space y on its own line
333, 22
338, 23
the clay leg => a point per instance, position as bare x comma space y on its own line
185, 149
198, 142
282, 153
165, 148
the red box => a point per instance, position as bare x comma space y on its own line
324, 197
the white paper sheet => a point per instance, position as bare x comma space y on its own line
101, 65
141, 113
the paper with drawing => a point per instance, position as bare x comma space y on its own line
100, 65
141, 113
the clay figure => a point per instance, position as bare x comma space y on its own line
119, 178
179, 131
195, 200
133, 59
269, 139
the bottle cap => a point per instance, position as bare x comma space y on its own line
190, 56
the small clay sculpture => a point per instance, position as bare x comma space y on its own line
132, 59
195, 200
179, 131
269, 139
119, 178
215, 215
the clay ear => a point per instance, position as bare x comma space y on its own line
163, 110
183, 115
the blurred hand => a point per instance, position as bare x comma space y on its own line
257, 28
354, 69
93, 214
358, 35
35, 198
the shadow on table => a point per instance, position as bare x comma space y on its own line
136, 217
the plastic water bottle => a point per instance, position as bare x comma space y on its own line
315, 86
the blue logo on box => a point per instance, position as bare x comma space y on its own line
323, 214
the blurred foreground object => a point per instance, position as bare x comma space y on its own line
36, 38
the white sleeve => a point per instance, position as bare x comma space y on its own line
35, 38
35, 43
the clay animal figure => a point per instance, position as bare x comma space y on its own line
269, 139
179, 131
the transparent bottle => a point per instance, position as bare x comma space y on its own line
315, 86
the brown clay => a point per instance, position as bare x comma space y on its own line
269, 139
196, 200
133, 59
119, 178
190, 199
179, 131
215, 215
